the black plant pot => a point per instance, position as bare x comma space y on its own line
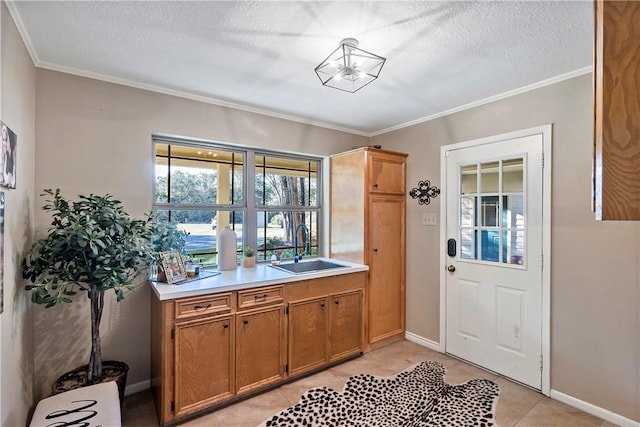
111, 371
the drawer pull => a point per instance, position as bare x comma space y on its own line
226, 325
321, 304
375, 185
246, 322
201, 307
261, 297
337, 302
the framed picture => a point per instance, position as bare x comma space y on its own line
173, 266
8, 157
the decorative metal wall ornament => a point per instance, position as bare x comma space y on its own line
424, 192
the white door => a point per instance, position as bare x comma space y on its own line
494, 207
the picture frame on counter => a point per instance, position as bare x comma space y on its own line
173, 266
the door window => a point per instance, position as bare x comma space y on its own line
492, 211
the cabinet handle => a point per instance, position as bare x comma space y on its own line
321, 304
226, 325
375, 250
337, 302
201, 307
262, 297
246, 322
375, 185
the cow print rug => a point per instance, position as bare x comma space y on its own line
418, 397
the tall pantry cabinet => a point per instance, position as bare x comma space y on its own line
368, 227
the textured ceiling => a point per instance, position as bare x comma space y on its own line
261, 54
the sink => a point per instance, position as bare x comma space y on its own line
308, 266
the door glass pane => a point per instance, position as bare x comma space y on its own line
467, 211
469, 179
490, 245
514, 246
468, 243
513, 210
489, 211
490, 177
512, 175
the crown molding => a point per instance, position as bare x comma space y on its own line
518, 91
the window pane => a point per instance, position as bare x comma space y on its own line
202, 227
490, 177
276, 234
198, 175
469, 179
468, 243
490, 245
489, 211
512, 175
282, 181
513, 210
467, 211
514, 246
162, 174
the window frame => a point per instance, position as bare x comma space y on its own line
248, 205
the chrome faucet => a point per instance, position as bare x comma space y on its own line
306, 247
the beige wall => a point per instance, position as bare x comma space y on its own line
17, 109
595, 273
96, 137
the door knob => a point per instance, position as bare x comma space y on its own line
451, 268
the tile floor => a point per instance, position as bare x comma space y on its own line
517, 405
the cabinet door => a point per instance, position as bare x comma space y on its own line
345, 324
260, 347
386, 267
617, 101
386, 173
307, 334
203, 363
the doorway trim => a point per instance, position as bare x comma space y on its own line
546, 132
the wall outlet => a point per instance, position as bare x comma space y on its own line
429, 219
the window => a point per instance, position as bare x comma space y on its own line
492, 211
287, 203
270, 200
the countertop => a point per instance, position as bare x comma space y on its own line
243, 278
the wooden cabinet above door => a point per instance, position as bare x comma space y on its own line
616, 174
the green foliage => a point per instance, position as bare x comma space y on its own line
248, 251
166, 236
93, 245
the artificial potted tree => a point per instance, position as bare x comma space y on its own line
92, 246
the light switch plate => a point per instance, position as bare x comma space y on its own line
429, 219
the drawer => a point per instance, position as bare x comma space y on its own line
261, 296
198, 306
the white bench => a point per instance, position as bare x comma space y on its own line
95, 406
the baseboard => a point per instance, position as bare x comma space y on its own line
137, 387
425, 342
593, 410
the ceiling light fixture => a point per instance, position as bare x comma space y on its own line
349, 68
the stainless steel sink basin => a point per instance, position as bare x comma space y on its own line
308, 266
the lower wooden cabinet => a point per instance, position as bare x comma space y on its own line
345, 324
260, 347
204, 365
212, 349
324, 329
307, 334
